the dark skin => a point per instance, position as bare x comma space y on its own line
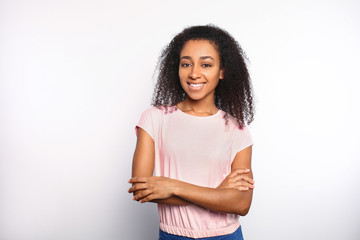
233, 195
234, 93
199, 73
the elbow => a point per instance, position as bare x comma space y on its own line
242, 206
242, 209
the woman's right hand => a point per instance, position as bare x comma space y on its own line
237, 179
146, 189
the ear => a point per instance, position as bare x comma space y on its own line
221, 74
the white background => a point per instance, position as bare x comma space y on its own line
76, 75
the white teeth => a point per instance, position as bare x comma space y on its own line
196, 85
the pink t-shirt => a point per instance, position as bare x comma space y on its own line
197, 150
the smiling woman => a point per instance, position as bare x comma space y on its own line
199, 70
195, 138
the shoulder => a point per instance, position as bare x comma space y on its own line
231, 121
157, 113
150, 121
233, 125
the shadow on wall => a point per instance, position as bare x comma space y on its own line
141, 221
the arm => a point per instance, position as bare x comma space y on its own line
143, 164
221, 199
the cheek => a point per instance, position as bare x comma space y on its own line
182, 75
182, 78
213, 75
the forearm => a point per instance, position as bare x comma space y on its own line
173, 200
175, 192
221, 200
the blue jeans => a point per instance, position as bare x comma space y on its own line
237, 235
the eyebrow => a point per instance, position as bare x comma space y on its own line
202, 57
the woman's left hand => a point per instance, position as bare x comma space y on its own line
238, 179
146, 189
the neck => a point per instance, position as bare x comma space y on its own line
198, 108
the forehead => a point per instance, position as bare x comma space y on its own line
198, 48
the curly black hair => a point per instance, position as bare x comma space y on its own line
233, 93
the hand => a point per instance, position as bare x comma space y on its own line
146, 189
237, 179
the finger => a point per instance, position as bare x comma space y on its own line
242, 178
138, 180
141, 194
231, 185
242, 170
243, 189
135, 192
236, 172
232, 174
244, 184
148, 198
240, 185
137, 186
248, 179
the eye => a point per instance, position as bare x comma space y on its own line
206, 65
185, 65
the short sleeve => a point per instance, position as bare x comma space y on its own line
241, 140
146, 122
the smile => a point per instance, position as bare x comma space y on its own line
196, 86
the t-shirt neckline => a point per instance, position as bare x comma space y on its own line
194, 116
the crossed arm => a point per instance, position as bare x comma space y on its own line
233, 195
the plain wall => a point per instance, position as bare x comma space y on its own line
76, 75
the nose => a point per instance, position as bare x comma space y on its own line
195, 72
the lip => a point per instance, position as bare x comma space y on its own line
196, 86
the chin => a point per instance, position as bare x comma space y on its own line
194, 98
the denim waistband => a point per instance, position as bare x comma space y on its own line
237, 235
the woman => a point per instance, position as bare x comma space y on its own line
195, 138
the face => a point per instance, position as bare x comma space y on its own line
199, 70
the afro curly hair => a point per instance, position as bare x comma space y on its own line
233, 93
